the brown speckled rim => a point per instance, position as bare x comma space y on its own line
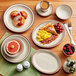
48, 22
20, 5
45, 50
67, 6
25, 56
65, 53
45, 15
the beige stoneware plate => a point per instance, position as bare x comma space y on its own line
41, 13
25, 53
28, 22
53, 43
46, 62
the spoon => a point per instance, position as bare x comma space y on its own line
71, 39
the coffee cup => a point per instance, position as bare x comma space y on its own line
44, 6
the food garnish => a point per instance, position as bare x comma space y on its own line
59, 29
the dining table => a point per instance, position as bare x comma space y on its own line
4, 4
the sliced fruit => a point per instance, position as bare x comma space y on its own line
20, 24
24, 14
13, 47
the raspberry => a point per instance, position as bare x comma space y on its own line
68, 53
64, 48
70, 44
68, 47
20, 23
71, 52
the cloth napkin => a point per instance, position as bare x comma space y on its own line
9, 69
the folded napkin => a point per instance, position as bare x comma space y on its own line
9, 69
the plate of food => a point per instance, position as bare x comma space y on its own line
46, 62
18, 18
48, 34
15, 48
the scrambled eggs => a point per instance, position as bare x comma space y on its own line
42, 34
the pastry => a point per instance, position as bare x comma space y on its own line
18, 17
49, 28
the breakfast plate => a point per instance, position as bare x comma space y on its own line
46, 62
17, 9
25, 53
41, 13
42, 36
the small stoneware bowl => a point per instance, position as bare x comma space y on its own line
64, 12
68, 49
14, 55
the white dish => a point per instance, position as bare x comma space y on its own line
64, 12
53, 43
23, 55
41, 13
14, 55
46, 62
28, 22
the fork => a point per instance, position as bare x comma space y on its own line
69, 26
71, 39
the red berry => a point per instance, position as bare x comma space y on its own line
20, 23
64, 48
58, 23
20, 18
68, 53
71, 52
70, 44
68, 47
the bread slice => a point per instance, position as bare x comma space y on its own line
49, 28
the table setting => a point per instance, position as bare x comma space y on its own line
37, 39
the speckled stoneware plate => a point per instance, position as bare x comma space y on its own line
28, 22
41, 13
46, 62
53, 43
25, 53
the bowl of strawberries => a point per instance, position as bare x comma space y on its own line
68, 49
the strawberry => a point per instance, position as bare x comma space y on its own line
19, 14
20, 23
20, 18
13, 15
25, 17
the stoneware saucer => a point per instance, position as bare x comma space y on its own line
46, 62
64, 12
25, 53
53, 43
19, 7
41, 13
